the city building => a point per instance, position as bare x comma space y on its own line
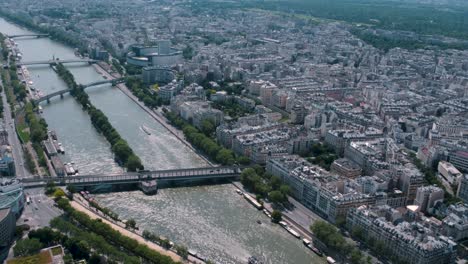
462, 191
7, 231
448, 173
410, 242
197, 111
427, 197
455, 225
168, 91
160, 55
7, 164
12, 195
157, 75
346, 168
321, 192
459, 159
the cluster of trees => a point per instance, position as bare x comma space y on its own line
276, 216
37, 126
386, 43
112, 253
322, 155
333, 239
227, 85
114, 216
424, 19
8, 90
188, 52
12, 84
38, 132
232, 109
431, 179
203, 142
56, 33
144, 94
30, 166
122, 151
109, 234
163, 242
265, 185
117, 66
4, 47
27, 247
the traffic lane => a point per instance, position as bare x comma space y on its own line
41, 209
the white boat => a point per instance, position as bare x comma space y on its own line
61, 149
293, 232
145, 130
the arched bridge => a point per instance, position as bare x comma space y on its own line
232, 172
64, 91
55, 62
28, 35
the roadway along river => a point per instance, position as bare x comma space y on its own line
213, 220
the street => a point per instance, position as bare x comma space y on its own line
15, 144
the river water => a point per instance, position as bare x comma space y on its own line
213, 220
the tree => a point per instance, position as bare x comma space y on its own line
276, 216
59, 193
134, 163
243, 160
276, 197
187, 52
182, 251
71, 188
275, 182
78, 248
285, 189
26, 247
96, 259
122, 150
46, 236
356, 256
130, 223
208, 126
225, 157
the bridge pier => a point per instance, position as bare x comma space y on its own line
61, 96
48, 100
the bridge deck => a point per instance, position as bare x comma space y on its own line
55, 62
133, 177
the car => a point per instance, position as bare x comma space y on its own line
26, 220
39, 200
37, 208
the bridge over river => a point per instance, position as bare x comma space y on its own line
55, 62
174, 175
28, 35
64, 91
